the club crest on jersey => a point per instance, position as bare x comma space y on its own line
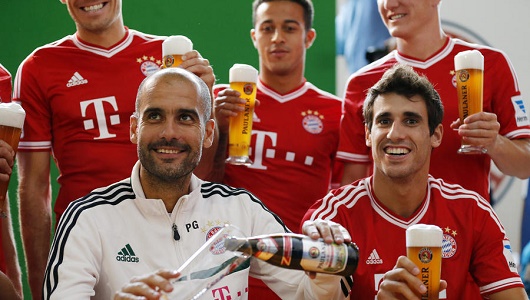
449, 245
148, 64
210, 229
217, 246
312, 121
453, 77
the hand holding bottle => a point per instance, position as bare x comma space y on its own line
327, 230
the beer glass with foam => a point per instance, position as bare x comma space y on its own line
424, 248
242, 79
173, 48
469, 67
11, 121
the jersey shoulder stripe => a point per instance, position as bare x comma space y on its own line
361, 158
455, 192
50, 46
377, 66
147, 36
319, 91
346, 196
111, 195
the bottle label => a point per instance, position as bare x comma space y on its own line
328, 258
267, 247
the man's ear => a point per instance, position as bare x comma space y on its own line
209, 133
367, 137
310, 37
253, 37
133, 129
436, 137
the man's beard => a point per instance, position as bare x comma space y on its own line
167, 170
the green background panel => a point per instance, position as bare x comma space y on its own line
219, 29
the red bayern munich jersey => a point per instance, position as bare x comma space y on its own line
475, 247
78, 99
5, 97
294, 141
501, 96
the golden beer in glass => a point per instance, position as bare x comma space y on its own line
469, 68
424, 248
11, 121
173, 48
242, 79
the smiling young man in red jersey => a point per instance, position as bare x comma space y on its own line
295, 128
403, 115
79, 111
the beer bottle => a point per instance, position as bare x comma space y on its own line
295, 251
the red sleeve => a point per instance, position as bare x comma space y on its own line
28, 91
507, 101
5, 85
352, 146
218, 88
492, 251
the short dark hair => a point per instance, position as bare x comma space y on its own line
307, 5
403, 80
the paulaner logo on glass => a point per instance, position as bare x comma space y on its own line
464, 76
246, 117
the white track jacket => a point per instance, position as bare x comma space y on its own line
115, 233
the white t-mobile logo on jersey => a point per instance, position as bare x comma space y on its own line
101, 118
258, 152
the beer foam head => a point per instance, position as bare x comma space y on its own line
470, 59
243, 73
12, 114
176, 44
420, 235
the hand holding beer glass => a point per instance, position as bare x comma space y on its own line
243, 79
469, 67
424, 248
173, 48
11, 121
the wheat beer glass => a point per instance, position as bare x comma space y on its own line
11, 120
424, 248
173, 48
469, 67
242, 79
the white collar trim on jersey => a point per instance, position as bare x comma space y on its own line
385, 214
431, 61
105, 52
287, 97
